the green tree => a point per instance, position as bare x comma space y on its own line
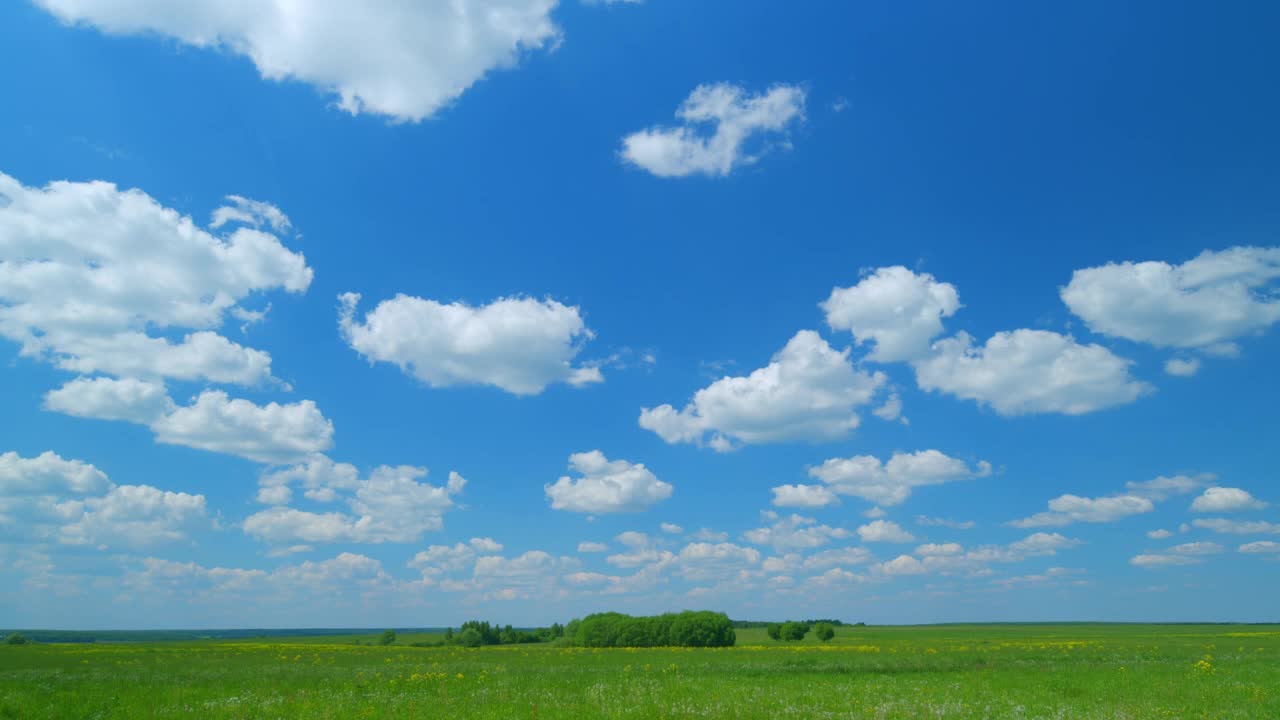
16, 638
448, 636
824, 631
471, 638
388, 637
774, 630
794, 631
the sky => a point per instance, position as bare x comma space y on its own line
379, 315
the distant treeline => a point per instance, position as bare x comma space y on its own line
683, 629
91, 636
744, 624
474, 633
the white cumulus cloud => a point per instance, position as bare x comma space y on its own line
885, 531
897, 310
402, 60
520, 345
808, 391
804, 496
1068, 509
606, 486
271, 433
736, 119
891, 482
95, 279
1214, 298
1225, 499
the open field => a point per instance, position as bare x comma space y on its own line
995, 671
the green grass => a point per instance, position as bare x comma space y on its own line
1072, 672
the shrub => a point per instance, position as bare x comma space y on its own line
470, 637
774, 631
824, 631
388, 637
16, 638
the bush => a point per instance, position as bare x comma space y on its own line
824, 631
388, 637
16, 638
774, 631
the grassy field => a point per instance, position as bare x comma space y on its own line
1072, 672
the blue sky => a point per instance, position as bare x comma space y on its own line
773, 289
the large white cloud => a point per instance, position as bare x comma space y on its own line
100, 280
897, 310
606, 486
737, 117
405, 60
518, 344
1068, 509
1015, 372
1213, 298
1029, 371
391, 505
54, 500
1225, 499
808, 391
271, 433
804, 496
891, 483
1164, 487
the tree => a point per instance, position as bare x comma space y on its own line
388, 637
471, 638
774, 630
448, 636
824, 631
16, 638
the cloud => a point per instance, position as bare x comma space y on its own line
271, 433
1197, 548
885, 531
391, 505
1224, 499
1261, 546
1238, 527
1157, 560
1182, 367
520, 345
48, 473
1160, 534
939, 549
891, 483
94, 279
132, 516
51, 499
1029, 371
926, 521
1163, 488
902, 565
1043, 543
794, 532
894, 308
592, 547
402, 60
671, 528
1068, 509
804, 496
606, 486
808, 391
738, 118
1213, 298
131, 400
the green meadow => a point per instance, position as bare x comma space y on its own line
1073, 672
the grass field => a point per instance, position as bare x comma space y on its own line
1071, 672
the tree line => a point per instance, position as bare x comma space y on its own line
793, 631
683, 629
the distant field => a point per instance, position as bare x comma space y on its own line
1071, 672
